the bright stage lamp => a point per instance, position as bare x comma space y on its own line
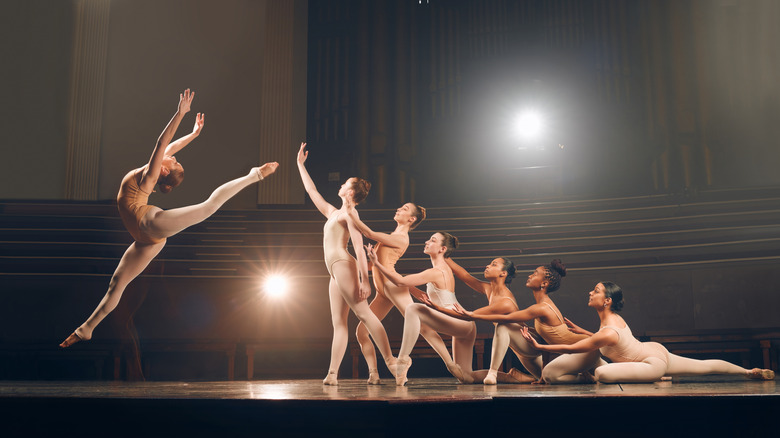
529, 125
275, 286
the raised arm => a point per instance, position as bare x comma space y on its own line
602, 338
464, 276
357, 242
152, 172
322, 205
390, 240
398, 279
176, 146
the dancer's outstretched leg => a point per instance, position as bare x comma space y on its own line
572, 368
166, 223
684, 366
136, 258
649, 370
339, 314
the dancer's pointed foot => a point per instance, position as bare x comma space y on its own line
491, 378
266, 169
402, 367
759, 374
72, 339
391, 365
373, 377
332, 379
520, 376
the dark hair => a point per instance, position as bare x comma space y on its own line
360, 190
172, 179
509, 267
553, 273
418, 211
449, 241
611, 290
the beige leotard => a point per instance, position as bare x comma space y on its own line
132, 204
630, 349
441, 297
334, 242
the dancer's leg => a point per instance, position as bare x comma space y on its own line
649, 370
339, 314
501, 341
166, 223
524, 350
683, 366
402, 299
570, 368
345, 273
380, 306
135, 259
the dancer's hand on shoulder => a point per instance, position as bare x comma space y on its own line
574, 328
185, 101
302, 154
200, 120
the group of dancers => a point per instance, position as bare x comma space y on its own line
581, 353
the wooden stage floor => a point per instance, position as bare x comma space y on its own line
714, 406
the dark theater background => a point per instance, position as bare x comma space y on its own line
636, 140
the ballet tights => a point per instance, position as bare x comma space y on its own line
342, 291
159, 223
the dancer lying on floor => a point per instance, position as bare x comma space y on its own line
150, 226
632, 360
548, 323
348, 287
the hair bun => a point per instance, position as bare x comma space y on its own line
558, 265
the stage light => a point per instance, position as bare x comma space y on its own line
275, 286
529, 125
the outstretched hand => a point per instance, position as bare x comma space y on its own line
185, 101
371, 252
457, 308
574, 328
529, 338
302, 154
200, 120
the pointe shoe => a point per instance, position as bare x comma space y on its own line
458, 373
332, 379
373, 377
73, 338
391, 365
759, 374
521, 376
491, 378
402, 367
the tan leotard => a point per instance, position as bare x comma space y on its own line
334, 242
630, 349
557, 334
132, 204
387, 257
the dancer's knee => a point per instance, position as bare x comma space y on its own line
361, 332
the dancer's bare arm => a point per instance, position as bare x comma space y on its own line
152, 172
464, 276
390, 240
602, 338
526, 314
428, 275
357, 242
176, 146
574, 328
322, 205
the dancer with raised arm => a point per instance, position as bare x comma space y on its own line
348, 287
548, 323
632, 361
390, 248
440, 285
150, 226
